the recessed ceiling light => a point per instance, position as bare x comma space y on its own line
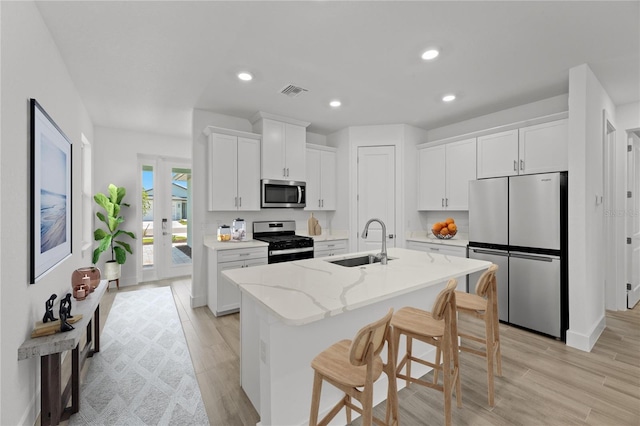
430, 54
245, 76
335, 104
448, 98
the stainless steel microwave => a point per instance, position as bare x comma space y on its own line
282, 194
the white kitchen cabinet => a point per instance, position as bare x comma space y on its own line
544, 148
329, 248
233, 170
540, 148
444, 173
283, 146
224, 297
321, 178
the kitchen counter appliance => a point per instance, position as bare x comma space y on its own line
284, 244
520, 224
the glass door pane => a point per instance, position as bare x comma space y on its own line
147, 216
180, 216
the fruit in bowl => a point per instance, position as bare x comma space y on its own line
445, 230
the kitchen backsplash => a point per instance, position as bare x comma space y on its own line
215, 219
428, 218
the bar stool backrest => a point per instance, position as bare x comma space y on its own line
487, 282
443, 300
370, 341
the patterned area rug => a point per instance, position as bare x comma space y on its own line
143, 374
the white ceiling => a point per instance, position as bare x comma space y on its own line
146, 65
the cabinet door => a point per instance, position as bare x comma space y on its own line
228, 293
313, 179
431, 178
255, 262
222, 172
273, 139
328, 183
498, 154
295, 150
248, 174
544, 148
460, 169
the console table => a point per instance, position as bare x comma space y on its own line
53, 399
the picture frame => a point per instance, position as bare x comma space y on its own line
51, 196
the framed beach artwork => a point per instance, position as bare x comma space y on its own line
50, 193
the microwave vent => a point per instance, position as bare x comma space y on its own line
293, 91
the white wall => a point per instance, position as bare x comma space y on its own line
587, 100
115, 160
31, 67
206, 222
540, 108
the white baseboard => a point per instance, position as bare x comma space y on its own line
198, 301
585, 342
633, 296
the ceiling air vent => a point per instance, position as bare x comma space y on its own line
293, 91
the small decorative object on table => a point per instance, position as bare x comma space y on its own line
445, 230
313, 226
79, 274
48, 313
224, 233
65, 313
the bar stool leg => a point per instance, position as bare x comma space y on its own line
315, 399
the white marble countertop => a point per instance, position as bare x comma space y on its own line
459, 240
335, 235
309, 290
212, 242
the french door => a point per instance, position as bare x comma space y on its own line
165, 218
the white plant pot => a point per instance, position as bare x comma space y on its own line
112, 270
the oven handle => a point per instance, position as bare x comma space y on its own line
290, 251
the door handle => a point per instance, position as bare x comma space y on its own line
446, 202
515, 165
164, 226
442, 202
239, 201
521, 164
322, 203
391, 236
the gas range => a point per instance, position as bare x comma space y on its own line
284, 244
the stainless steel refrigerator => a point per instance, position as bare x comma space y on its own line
520, 223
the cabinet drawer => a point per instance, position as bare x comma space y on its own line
437, 248
242, 254
330, 245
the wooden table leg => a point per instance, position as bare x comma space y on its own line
75, 380
96, 324
50, 389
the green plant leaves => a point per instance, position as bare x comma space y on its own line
112, 219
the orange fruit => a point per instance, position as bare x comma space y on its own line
444, 231
437, 227
452, 227
449, 220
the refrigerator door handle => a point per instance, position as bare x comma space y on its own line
534, 257
494, 253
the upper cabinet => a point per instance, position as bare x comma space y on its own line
233, 170
283, 146
540, 148
321, 178
444, 172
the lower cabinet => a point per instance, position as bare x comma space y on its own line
329, 248
443, 249
223, 297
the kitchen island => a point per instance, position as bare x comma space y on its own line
291, 311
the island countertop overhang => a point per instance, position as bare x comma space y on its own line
309, 290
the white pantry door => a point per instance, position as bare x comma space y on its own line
633, 222
376, 195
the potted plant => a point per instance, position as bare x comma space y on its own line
109, 238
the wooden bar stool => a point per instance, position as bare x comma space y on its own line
437, 328
349, 365
484, 305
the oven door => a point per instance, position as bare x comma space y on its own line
282, 193
277, 256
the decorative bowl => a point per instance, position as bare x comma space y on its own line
450, 235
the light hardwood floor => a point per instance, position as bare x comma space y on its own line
544, 382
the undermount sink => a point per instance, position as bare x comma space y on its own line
357, 261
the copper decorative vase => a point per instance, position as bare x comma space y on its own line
94, 277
